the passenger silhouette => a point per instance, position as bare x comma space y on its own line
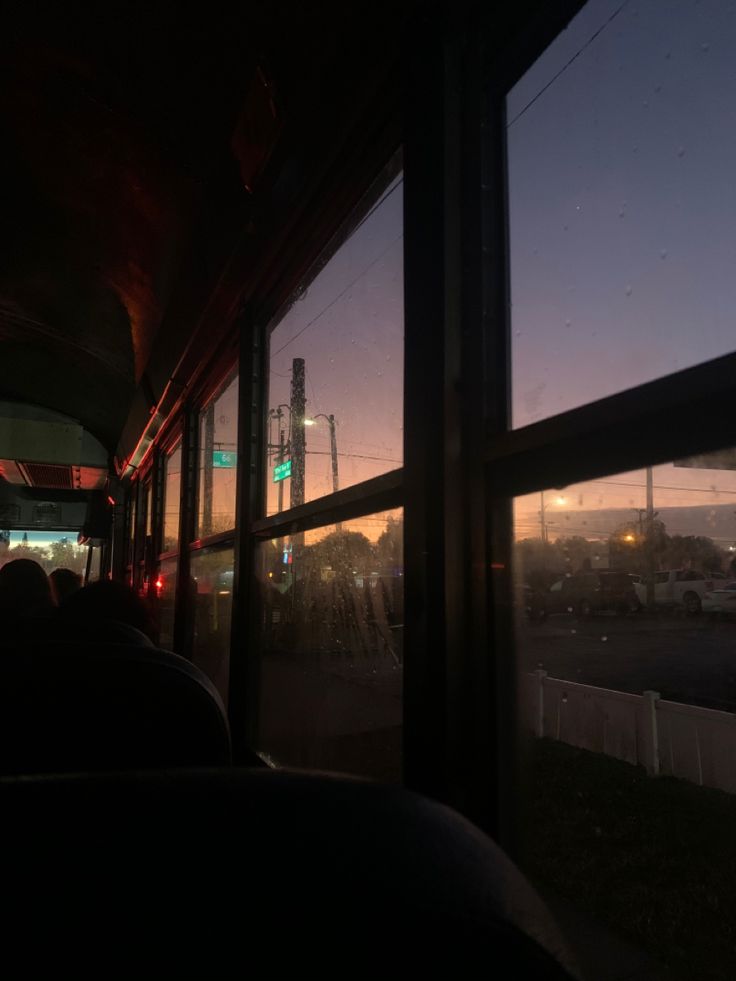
108, 611
64, 583
24, 590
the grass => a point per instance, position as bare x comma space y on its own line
653, 858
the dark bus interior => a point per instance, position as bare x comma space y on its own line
343, 336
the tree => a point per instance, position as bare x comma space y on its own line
693, 552
344, 552
629, 547
65, 555
26, 551
390, 546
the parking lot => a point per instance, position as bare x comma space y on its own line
686, 659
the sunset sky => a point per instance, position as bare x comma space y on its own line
622, 155
622, 202
349, 328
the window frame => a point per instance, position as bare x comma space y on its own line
676, 415
380, 493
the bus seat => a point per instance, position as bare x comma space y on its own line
92, 707
267, 871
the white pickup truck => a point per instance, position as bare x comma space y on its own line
677, 587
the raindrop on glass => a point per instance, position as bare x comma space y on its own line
569, 609
568, 323
681, 151
663, 254
573, 631
388, 357
705, 46
628, 291
604, 638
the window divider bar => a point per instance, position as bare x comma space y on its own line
667, 419
244, 686
183, 616
165, 556
210, 540
377, 494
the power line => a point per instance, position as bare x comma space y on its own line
338, 297
355, 456
397, 184
699, 490
564, 68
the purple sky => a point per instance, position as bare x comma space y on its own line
349, 328
623, 203
623, 227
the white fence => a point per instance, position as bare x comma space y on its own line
685, 741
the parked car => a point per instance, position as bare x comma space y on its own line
721, 599
683, 588
531, 603
593, 592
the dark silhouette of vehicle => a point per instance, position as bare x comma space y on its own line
587, 593
531, 603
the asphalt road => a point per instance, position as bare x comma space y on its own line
685, 659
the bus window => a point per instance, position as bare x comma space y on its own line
172, 490
331, 642
211, 593
218, 459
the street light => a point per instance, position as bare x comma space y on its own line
544, 524
333, 452
333, 445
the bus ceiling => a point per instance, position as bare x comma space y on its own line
44, 449
134, 162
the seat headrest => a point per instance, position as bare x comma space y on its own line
106, 706
289, 870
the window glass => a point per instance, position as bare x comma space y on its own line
336, 367
172, 489
218, 461
628, 693
332, 647
211, 589
166, 594
51, 549
96, 563
622, 203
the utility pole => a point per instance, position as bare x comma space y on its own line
333, 454
280, 459
298, 435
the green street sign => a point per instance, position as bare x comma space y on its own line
224, 459
282, 471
